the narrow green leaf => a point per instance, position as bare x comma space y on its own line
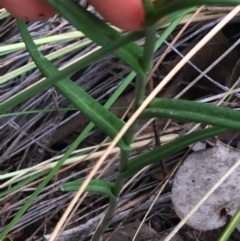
89, 107
98, 31
99, 186
186, 110
141, 161
235, 220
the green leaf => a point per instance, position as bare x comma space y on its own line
186, 110
90, 108
71, 91
99, 186
141, 161
98, 31
235, 220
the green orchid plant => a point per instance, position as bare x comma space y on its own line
140, 60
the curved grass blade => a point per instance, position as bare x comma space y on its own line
141, 161
98, 186
186, 110
72, 92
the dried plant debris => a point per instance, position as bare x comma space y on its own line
199, 172
145, 233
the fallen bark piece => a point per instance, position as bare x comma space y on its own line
199, 172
